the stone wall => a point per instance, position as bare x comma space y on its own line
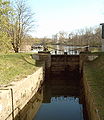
82, 57
86, 56
90, 102
45, 56
13, 98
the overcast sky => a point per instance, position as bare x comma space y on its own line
53, 16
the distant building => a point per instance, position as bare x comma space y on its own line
26, 44
54, 38
37, 47
25, 48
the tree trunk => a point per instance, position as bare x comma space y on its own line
16, 49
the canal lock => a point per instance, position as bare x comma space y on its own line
61, 96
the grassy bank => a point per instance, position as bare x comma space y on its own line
15, 66
94, 72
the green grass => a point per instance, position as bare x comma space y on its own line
94, 72
15, 66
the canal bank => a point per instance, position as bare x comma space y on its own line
93, 81
14, 98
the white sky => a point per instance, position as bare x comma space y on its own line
53, 16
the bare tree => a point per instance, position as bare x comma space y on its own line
21, 23
62, 35
97, 36
88, 36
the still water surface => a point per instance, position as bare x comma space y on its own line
62, 99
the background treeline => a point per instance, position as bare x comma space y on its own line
81, 37
87, 36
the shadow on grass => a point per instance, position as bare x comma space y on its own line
27, 60
38, 63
